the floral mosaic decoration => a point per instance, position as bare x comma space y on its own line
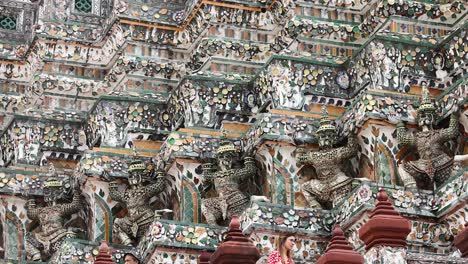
287, 81
24, 140
110, 120
197, 101
176, 234
267, 215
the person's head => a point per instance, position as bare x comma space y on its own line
285, 244
129, 258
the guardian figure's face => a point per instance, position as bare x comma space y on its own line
135, 177
225, 161
51, 195
426, 119
327, 139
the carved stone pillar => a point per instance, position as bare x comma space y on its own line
385, 233
339, 251
461, 241
103, 257
236, 248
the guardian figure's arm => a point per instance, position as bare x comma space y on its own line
158, 186
403, 136
450, 132
73, 207
31, 209
115, 194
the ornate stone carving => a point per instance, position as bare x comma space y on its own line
331, 184
136, 198
46, 242
434, 164
226, 179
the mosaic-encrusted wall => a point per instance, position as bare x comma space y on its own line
86, 87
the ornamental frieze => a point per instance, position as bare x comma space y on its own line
24, 140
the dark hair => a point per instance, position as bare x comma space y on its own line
280, 244
132, 256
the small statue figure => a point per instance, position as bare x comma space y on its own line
331, 184
226, 180
136, 198
51, 217
434, 165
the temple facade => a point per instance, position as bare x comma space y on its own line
165, 127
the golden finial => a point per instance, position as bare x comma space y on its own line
225, 144
425, 92
426, 102
324, 111
325, 122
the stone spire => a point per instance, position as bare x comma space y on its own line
204, 258
339, 250
236, 248
385, 226
461, 241
103, 257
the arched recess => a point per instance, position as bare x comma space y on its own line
103, 221
283, 189
385, 165
265, 170
366, 168
191, 207
305, 173
83, 219
404, 154
14, 240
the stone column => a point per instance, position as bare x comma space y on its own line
103, 257
461, 242
385, 233
236, 248
339, 251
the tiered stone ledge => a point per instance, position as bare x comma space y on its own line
268, 126
84, 251
39, 135
27, 179
180, 237
427, 257
265, 219
417, 203
363, 197
420, 207
453, 192
111, 162
274, 217
10, 261
265, 222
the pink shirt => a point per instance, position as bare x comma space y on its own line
275, 258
